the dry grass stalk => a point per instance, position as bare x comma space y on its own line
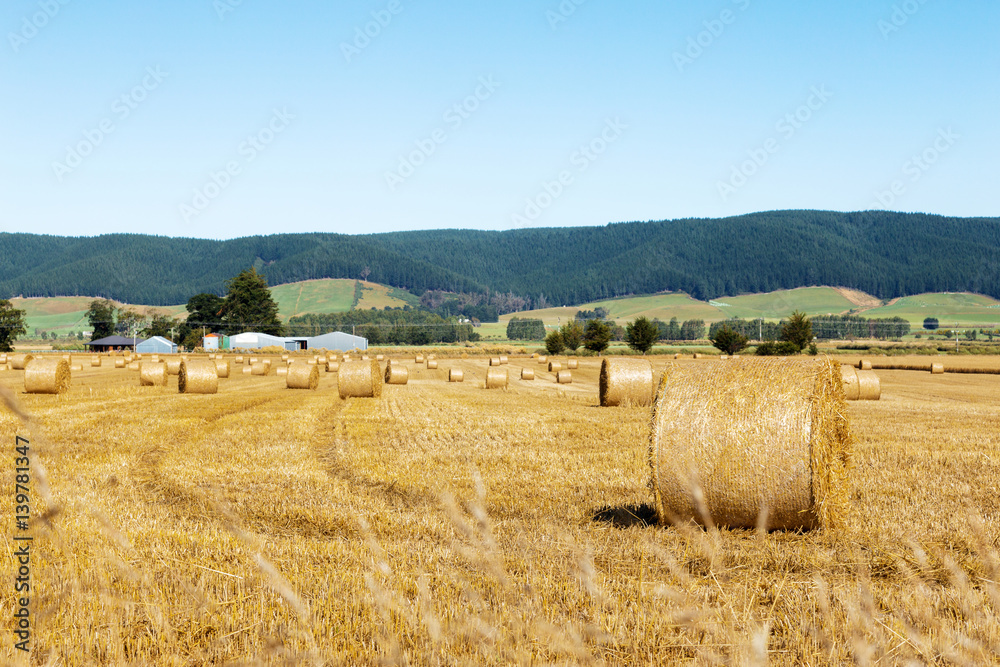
731, 443
869, 386
302, 376
396, 374
496, 378
360, 379
174, 365
222, 368
198, 376
554, 366
564, 377
849, 376
46, 376
19, 361
152, 374
432, 364
527, 374
626, 382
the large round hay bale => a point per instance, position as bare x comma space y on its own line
221, 368
527, 374
503, 360
494, 361
626, 382
865, 365
19, 361
762, 436
119, 362
95, 361
46, 376
496, 378
152, 374
849, 376
432, 364
198, 376
174, 366
456, 375
564, 377
396, 374
542, 360
869, 386
554, 367
302, 376
937, 369
332, 366
260, 368
360, 379
572, 364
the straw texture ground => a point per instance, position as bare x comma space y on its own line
198, 376
456, 375
626, 382
19, 361
396, 374
221, 368
849, 376
564, 377
869, 386
731, 443
527, 374
46, 376
360, 379
496, 378
152, 374
302, 376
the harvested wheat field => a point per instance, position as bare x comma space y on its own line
447, 524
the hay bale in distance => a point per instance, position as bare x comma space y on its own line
494, 361
155, 358
762, 435
379, 357
419, 359
869, 386
247, 370
133, 365
849, 376
496, 378
174, 366
198, 376
75, 367
238, 360
360, 379
527, 374
396, 374
282, 370
18, 362
456, 375
542, 359
698, 355
221, 368
503, 360
432, 364
564, 377
302, 376
677, 355
554, 367
865, 365
254, 360
260, 368
119, 362
46, 376
937, 369
332, 366
95, 361
626, 382
572, 364
152, 374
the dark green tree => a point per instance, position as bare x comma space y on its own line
641, 334
249, 305
596, 336
931, 323
554, 343
572, 335
205, 310
101, 316
129, 322
159, 325
797, 330
728, 341
12, 325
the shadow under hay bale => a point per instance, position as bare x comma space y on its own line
396, 374
360, 379
627, 516
152, 374
732, 441
198, 376
627, 382
302, 376
46, 376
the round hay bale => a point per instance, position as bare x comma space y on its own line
456, 375
865, 365
379, 357
572, 364
527, 374
698, 355
134, 365
723, 357
284, 357
626, 382
19, 361
332, 366
503, 360
119, 362
869, 386
496, 378
360, 379
152, 374
260, 368
542, 360
419, 359
431, 356
302, 376
198, 376
937, 369
155, 358
534, 355
211, 355
46, 376
396, 374
564, 377
95, 361
238, 360
282, 370
222, 368
677, 355
432, 364
3, 358
267, 362
174, 366
346, 357
554, 367
254, 360
247, 370
760, 436
76, 367
494, 361
849, 376
310, 362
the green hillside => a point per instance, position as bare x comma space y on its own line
776, 305
959, 309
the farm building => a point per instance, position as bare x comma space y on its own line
156, 345
252, 340
336, 341
111, 343
211, 342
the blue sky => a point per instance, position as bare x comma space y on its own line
220, 118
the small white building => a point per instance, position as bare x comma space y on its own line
252, 340
336, 340
156, 345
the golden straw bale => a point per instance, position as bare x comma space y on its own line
155, 358
309, 362
937, 369
564, 377
254, 360
221, 368
494, 361
419, 359
260, 368
379, 357
554, 367
456, 375
542, 360
198, 376
849, 376
527, 374
119, 362
534, 355
869, 386
152, 374
732, 441
282, 370
503, 360
432, 364
95, 361
698, 355
174, 366
496, 378
247, 370
865, 365
76, 367
134, 365
360, 379
238, 360
346, 357
3, 358
332, 366
723, 357
572, 364
302, 376
19, 361
396, 374
626, 382
284, 357
46, 376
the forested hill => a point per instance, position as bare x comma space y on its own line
882, 253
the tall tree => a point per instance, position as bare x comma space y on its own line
728, 340
249, 305
798, 330
572, 334
205, 310
596, 336
554, 342
12, 325
641, 334
159, 325
101, 316
129, 322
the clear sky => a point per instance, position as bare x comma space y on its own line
226, 118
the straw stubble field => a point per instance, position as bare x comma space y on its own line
447, 524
